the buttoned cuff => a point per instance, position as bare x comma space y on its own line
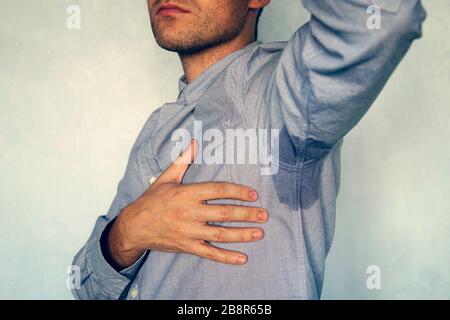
112, 283
132, 271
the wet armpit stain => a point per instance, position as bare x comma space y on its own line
300, 167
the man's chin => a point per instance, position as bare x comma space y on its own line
181, 47
173, 46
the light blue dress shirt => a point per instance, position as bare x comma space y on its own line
313, 88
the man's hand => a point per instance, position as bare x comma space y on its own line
172, 217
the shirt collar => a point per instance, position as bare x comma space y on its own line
188, 93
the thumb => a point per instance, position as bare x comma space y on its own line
176, 171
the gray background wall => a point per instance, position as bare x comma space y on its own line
73, 101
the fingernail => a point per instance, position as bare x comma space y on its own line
242, 259
262, 215
253, 195
258, 234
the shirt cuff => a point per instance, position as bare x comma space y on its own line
112, 282
132, 271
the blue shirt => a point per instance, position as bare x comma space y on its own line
312, 89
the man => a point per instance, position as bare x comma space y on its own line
202, 231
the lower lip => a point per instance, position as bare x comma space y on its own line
170, 12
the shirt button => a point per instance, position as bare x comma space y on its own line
152, 180
134, 293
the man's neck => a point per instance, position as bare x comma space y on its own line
195, 64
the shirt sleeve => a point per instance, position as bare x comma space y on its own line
333, 67
99, 280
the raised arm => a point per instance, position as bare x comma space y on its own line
333, 68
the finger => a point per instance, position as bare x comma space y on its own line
222, 190
207, 251
225, 234
176, 171
231, 213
